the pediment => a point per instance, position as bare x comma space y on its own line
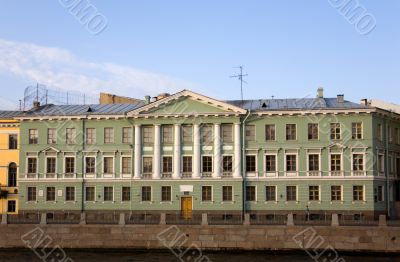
50, 149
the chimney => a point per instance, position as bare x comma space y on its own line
364, 102
320, 92
36, 104
147, 100
162, 95
340, 98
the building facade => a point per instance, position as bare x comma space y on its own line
190, 153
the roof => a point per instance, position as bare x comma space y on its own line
9, 114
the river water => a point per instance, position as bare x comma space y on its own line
161, 256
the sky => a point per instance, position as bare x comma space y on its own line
287, 48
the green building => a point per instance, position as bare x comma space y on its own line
190, 153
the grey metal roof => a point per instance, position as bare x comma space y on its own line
9, 114
295, 104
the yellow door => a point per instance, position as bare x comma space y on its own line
186, 207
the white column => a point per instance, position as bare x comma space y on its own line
196, 151
237, 155
177, 152
217, 151
157, 152
138, 152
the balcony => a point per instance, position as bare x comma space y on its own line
226, 174
51, 175
359, 173
147, 175
166, 175
187, 175
69, 175
314, 173
336, 173
206, 174
31, 175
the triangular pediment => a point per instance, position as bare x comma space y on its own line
336, 145
187, 103
51, 149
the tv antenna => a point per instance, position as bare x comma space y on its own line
240, 76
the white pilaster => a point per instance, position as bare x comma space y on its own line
157, 152
138, 152
196, 151
237, 155
217, 151
177, 152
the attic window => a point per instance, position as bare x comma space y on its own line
89, 110
264, 105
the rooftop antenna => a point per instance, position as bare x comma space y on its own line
240, 77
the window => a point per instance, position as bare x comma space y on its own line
108, 165
51, 165
147, 165
206, 134
250, 193
167, 134
270, 132
313, 193
70, 193
12, 175
146, 193
250, 133
51, 136
207, 166
336, 193
291, 163
358, 193
33, 136
70, 136
90, 136
396, 136
270, 163
167, 164
356, 131
31, 194
70, 165
126, 165
90, 193
227, 133
13, 141
390, 134
290, 132
312, 131
379, 132
379, 196
187, 164
108, 193
358, 164
336, 164
227, 166
291, 193
126, 193
11, 206
32, 165
147, 134
127, 135
108, 135
166, 194
50, 193
90, 165
187, 134
381, 163
335, 131
313, 163
227, 193
251, 163
206, 193
270, 193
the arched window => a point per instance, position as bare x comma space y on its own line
12, 175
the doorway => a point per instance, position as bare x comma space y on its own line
186, 207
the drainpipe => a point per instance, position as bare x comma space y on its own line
132, 157
387, 169
83, 164
244, 162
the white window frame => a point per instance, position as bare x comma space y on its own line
255, 192
222, 133
65, 167
297, 195
265, 132
340, 133
93, 138
186, 173
102, 168
381, 165
65, 197
292, 173
125, 175
353, 172
27, 168
113, 195
352, 194
222, 164
319, 194
90, 175
271, 173
45, 167
341, 194
162, 165
341, 172
152, 165
131, 135
95, 194
276, 194
315, 139
296, 135
209, 174
255, 133
254, 173
362, 130
141, 194
222, 194
319, 172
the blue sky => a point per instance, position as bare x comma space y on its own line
288, 48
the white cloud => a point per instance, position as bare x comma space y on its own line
59, 68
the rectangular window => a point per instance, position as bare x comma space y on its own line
31, 194
313, 193
336, 164
270, 132
51, 165
187, 164
206, 134
270, 163
166, 195
90, 193
50, 193
251, 163
313, 163
147, 165
379, 196
290, 132
146, 193
90, 136
227, 133
250, 133
187, 134
291, 163
250, 193
227, 193
358, 164
270, 193
356, 131
108, 193
90, 165
127, 135
379, 132
13, 141
70, 165
358, 193
396, 136
148, 134
206, 193
167, 133
167, 164
126, 165
11, 206
70, 193
108, 135
227, 166
291, 193
390, 134
51, 136
126, 193
312, 131
33, 136
207, 165
381, 163
108, 165
336, 193
335, 131
70, 136
32, 165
